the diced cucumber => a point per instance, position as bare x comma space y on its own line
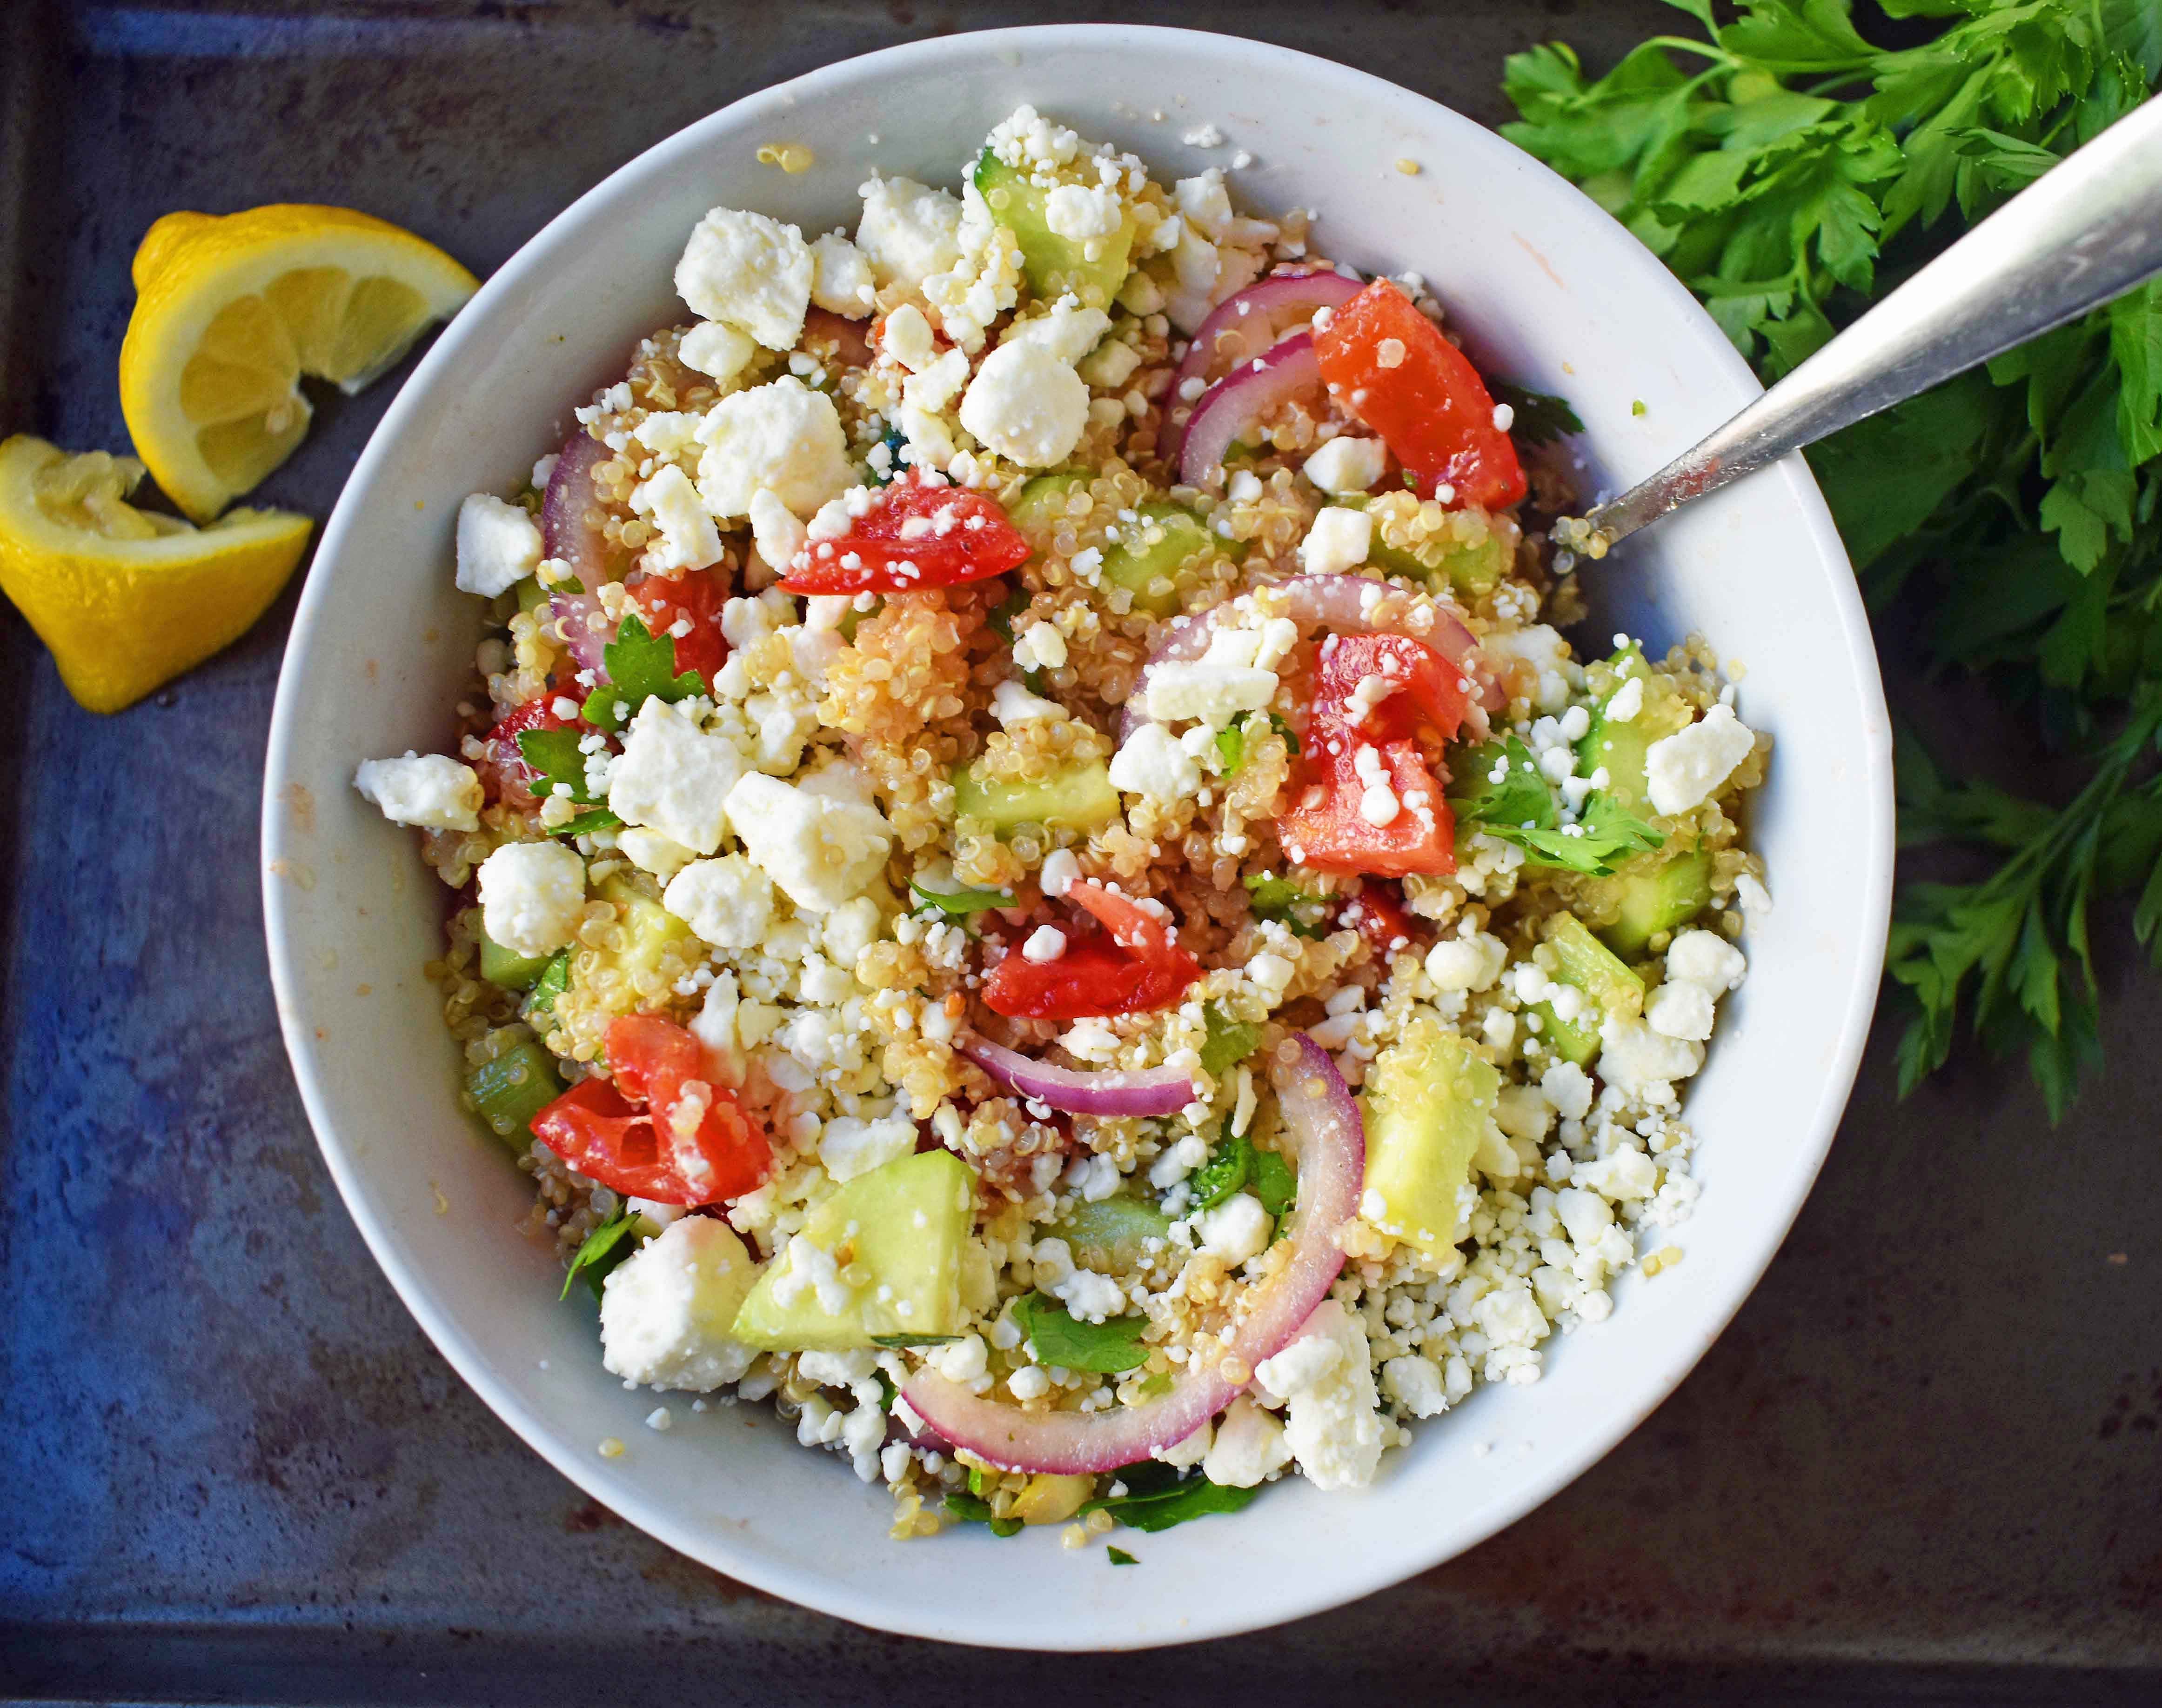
514, 972
1078, 799
508, 1092
1471, 570
1582, 962
1621, 745
1170, 538
898, 1233
1112, 1234
1657, 898
1054, 265
1427, 1099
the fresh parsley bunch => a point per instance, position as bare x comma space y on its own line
1787, 168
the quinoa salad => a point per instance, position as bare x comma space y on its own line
1032, 879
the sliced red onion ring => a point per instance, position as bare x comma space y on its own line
1344, 605
1251, 321
1320, 1114
1285, 371
1091, 1091
566, 534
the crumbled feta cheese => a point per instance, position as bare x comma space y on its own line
532, 896
666, 1310
819, 850
1249, 1444
908, 231
1344, 465
1026, 405
841, 282
728, 902
749, 271
717, 350
498, 545
429, 791
689, 540
1236, 1230
1338, 540
673, 778
849, 1146
1152, 763
782, 436
1686, 766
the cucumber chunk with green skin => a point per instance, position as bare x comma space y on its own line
1148, 561
508, 1092
1620, 745
514, 972
1112, 1235
1582, 962
1080, 797
901, 1231
1471, 570
1427, 1100
1054, 265
1662, 898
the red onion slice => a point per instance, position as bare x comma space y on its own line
1249, 322
1285, 371
1320, 1114
566, 534
1093, 1091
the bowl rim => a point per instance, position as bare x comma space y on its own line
1350, 1579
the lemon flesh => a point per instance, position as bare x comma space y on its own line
125, 598
231, 312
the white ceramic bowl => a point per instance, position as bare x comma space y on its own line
1550, 292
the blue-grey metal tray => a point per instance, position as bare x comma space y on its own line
1923, 1463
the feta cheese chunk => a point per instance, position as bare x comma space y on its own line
849, 1146
1152, 763
687, 540
429, 791
728, 902
666, 1310
751, 271
841, 282
783, 437
819, 849
498, 545
1686, 766
1345, 466
1026, 405
908, 231
1333, 1424
673, 778
1338, 541
532, 896
1248, 1445
717, 350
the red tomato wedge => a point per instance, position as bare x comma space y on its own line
1385, 685
696, 598
917, 535
1135, 968
1390, 366
660, 1131
1334, 835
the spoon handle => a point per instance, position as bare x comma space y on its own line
2088, 229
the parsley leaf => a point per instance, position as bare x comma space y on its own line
1056, 1337
604, 1247
641, 666
1500, 790
1157, 1497
1541, 418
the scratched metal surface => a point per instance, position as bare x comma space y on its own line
1923, 1463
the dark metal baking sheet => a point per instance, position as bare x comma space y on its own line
1923, 1464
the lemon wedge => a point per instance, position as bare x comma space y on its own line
127, 599
231, 311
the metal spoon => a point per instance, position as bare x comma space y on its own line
2088, 229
